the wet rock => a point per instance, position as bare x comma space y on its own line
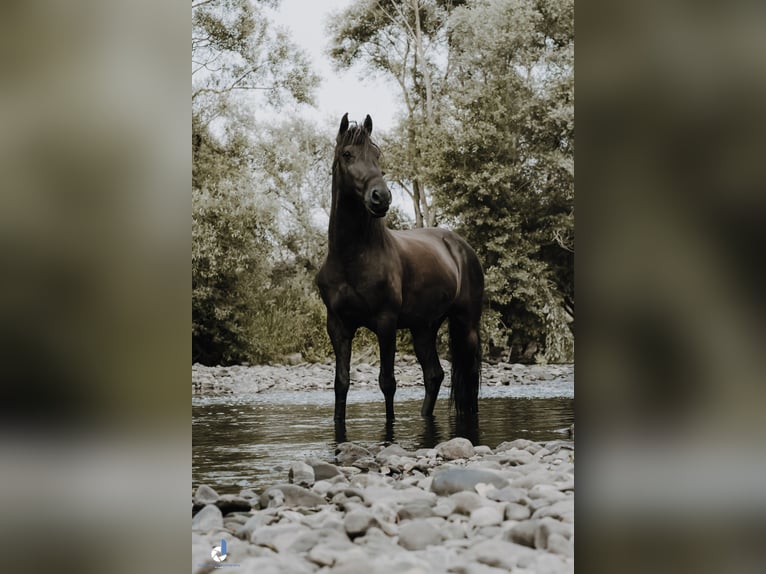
453, 480
456, 448
204, 495
515, 457
301, 474
391, 450
418, 534
232, 503
290, 495
519, 444
366, 463
348, 453
208, 519
357, 522
248, 493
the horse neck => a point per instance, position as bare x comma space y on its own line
352, 229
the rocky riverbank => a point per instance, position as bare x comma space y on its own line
241, 379
455, 508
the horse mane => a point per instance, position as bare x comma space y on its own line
357, 135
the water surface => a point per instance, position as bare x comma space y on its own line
249, 441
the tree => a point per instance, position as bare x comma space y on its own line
406, 41
503, 169
239, 62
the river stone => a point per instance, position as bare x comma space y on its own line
257, 520
348, 453
516, 511
452, 530
546, 563
207, 519
232, 503
507, 494
352, 561
357, 522
278, 537
415, 510
547, 491
548, 527
444, 507
388, 495
301, 474
558, 544
453, 480
466, 502
323, 470
515, 457
519, 443
418, 534
561, 510
456, 448
205, 495
523, 533
486, 516
500, 553
391, 450
290, 495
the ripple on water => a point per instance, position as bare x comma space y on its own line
250, 441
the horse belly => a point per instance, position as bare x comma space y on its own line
425, 306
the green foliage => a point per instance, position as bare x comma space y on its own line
485, 146
501, 164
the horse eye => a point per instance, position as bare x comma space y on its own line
347, 154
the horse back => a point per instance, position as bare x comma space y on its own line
440, 271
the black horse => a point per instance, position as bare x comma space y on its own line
387, 280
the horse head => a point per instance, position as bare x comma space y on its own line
356, 167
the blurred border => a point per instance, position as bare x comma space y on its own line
671, 225
95, 291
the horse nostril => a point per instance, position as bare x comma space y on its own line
375, 197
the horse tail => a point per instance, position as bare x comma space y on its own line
465, 348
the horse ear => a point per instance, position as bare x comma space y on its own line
343, 124
368, 124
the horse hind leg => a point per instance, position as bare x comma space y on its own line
465, 348
424, 341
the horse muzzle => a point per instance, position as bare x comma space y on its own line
378, 200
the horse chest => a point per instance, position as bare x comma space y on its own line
359, 297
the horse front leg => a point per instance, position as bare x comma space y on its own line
340, 336
386, 332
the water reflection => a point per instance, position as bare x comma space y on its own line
237, 445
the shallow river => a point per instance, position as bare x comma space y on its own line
248, 442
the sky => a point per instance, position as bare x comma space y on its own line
353, 91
